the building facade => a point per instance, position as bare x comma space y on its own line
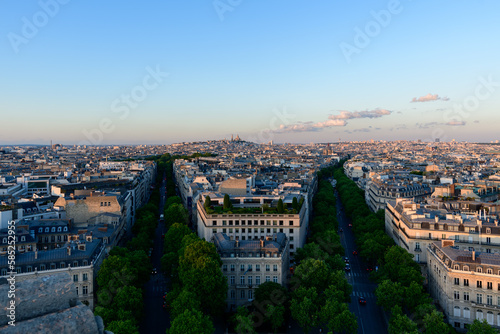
466, 283
249, 263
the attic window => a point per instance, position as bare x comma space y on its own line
488, 230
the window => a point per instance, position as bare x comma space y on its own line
268, 278
40, 230
46, 230
257, 280
242, 294
489, 271
257, 267
214, 223
456, 267
249, 266
456, 281
224, 267
479, 284
42, 267
290, 222
457, 324
466, 313
250, 280
77, 291
275, 279
456, 311
85, 290
231, 280
489, 300
250, 294
466, 296
242, 280
4, 240
479, 298
489, 285
456, 295
489, 317
479, 269
466, 268
267, 267
233, 294
232, 267
85, 277
75, 278
290, 230
75, 263
466, 282
23, 238
65, 228
275, 267
479, 315
59, 229
242, 267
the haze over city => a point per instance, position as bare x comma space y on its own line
163, 72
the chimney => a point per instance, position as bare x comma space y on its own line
237, 244
496, 222
473, 255
436, 219
68, 250
479, 222
36, 253
261, 243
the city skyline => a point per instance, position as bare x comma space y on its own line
124, 73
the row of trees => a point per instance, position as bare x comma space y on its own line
400, 282
123, 274
320, 291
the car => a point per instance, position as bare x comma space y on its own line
341, 230
355, 252
154, 271
362, 300
346, 259
350, 225
369, 269
347, 267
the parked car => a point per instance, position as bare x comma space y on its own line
362, 300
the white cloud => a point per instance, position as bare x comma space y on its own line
332, 121
429, 97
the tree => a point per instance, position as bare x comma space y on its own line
276, 315
280, 208
176, 213
313, 273
173, 238
227, 203
400, 323
191, 322
123, 327
389, 294
304, 307
129, 298
207, 203
186, 300
173, 200
481, 327
199, 270
295, 204
434, 323
338, 317
270, 292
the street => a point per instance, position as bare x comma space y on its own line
370, 316
156, 319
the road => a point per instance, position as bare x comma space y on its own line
156, 319
371, 318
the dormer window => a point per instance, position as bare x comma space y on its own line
65, 228
488, 230
53, 229
479, 269
59, 229
456, 267
23, 238
40, 230
4, 240
46, 230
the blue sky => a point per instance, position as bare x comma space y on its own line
159, 72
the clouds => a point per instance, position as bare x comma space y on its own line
333, 120
429, 97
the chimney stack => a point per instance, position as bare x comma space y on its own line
436, 219
68, 250
261, 243
496, 222
237, 244
36, 253
473, 255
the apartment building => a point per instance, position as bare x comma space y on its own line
466, 283
249, 263
415, 226
253, 226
